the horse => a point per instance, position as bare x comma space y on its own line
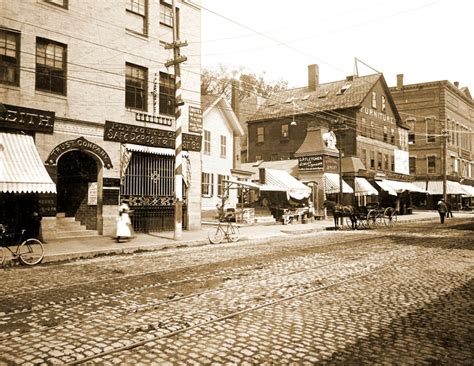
341, 211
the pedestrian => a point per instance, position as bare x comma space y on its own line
449, 213
123, 223
442, 209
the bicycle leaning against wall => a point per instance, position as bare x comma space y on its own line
29, 251
225, 229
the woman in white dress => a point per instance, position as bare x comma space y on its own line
123, 223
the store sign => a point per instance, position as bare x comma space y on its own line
79, 144
120, 132
315, 162
195, 120
27, 119
401, 161
92, 194
379, 115
47, 204
331, 164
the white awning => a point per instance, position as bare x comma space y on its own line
363, 187
280, 180
152, 150
436, 188
21, 168
243, 183
394, 186
331, 184
468, 189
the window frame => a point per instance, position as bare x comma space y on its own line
136, 89
260, 135
39, 66
285, 131
372, 160
385, 133
207, 186
65, 4
412, 165
4, 58
430, 132
220, 184
165, 17
374, 100
167, 94
206, 144
144, 16
433, 159
383, 104
223, 149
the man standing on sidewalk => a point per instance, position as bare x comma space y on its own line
442, 209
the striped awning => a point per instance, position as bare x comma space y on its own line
280, 180
394, 186
436, 187
152, 150
331, 184
363, 187
468, 189
21, 168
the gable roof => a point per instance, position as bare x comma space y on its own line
210, 101
327, 96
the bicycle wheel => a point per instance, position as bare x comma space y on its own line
216, 235
233, 232
31, 252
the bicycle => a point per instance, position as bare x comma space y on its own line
229, 232
29, 251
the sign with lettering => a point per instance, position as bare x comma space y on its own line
331, 164
379, 115
120, 132
92, 194
47, 204
27, 119
79, 144
311, 162
195, 119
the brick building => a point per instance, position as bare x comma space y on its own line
296, 123
436, 112
86, 81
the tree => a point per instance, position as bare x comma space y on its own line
219, 81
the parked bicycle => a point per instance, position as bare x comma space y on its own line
225, 229
29, 251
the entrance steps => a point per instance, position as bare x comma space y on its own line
263, 216
68, 227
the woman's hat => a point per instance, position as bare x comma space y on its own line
124, 207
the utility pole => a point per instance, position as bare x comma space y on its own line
338, 128
178, 157
444, 137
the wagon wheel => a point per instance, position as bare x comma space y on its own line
390, 216
373, 219
363, 221
348, 223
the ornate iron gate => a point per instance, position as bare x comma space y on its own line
148, 188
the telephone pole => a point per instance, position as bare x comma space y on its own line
444, 137
338, 128
178, 157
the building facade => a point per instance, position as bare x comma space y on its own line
440, 115
97, 71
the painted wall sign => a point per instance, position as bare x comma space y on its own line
379, 115
315, 162
47, 204
27, 119
79, 144
331, 164
120, 132
195, 119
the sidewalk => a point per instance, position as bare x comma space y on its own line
67, 249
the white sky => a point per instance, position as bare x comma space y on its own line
426, 40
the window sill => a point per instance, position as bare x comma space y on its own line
143, 36
50, 94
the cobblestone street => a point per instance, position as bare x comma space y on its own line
402, 296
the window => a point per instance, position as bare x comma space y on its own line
392, 136
363, 157
137, 12
372, 129
385, 162
411, 132
50, 66
223, 146
284, 132
221, 185
379, 161
136, 87
383, 106
372, 160
374, 100
166, 14
207, 187
207, 142
392, 163
431, 164
61, 3
412, 165
9, 57
167, 94
430, 130
260, 135
385, 133
364, 127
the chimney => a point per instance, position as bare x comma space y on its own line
313, 76
350, 78
400, 81
456, 84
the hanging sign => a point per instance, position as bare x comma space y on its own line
195, 119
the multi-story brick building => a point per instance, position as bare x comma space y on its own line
87, 81
295, 124
439, 112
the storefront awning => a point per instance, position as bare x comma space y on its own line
331, 184
280, 180
21, 168
152, 150
393, 187
468, 189
363, 187
436, 187
243, 183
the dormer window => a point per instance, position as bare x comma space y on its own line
344, 89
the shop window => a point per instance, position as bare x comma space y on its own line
207, 187
61, 3
260, 135
136, 87
137, 13
50, 66
9, 57
431, 160
207, 142
223, 146
374, 100
412, 165
284, 132
167, 94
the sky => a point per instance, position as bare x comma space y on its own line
426, 40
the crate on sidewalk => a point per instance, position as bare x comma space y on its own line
245, 215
